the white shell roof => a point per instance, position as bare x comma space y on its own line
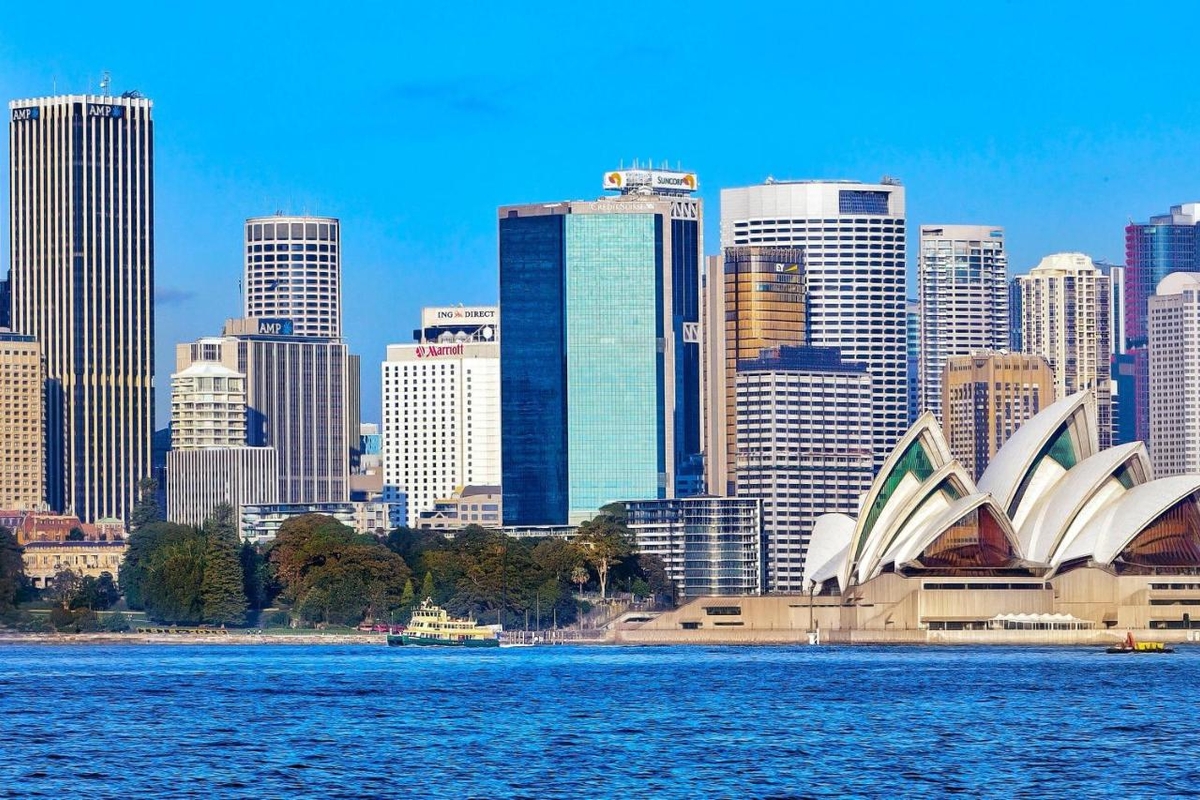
913, 545
828, 546
912, 513
927, 431
1005, 472
1119, 522
1042, 531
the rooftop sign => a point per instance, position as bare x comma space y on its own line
659, 181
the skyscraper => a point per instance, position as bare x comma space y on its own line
600, 361
296, 402
1173, 338
1065, 306
293, 271
804, 447
441, 410
209, 462
1167, 243
912, 353
964, 300
986, 397
759, 302
23, 435
81, 223
853, 236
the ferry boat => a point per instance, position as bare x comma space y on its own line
432, 626
1131, 646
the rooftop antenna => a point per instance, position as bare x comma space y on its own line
105, 80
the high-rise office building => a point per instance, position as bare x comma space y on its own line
23, 435
962, 281
441, 411
296, 390
1173, 338
1153, 250
81, 188
201, 478
759, 302
1065, 306
853, 236
986, 397
600, 359
293, 272
5, 302
912, 353
804, 446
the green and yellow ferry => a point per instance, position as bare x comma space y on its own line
432, 626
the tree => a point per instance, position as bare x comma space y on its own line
427, 586
76, 534
579, 576
12, 571
145, 545
222, 589
97, 594
146, 511
603, 541
63, 588
408, 598
172, 588
329, 573
255, 578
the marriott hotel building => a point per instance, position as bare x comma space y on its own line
600, 359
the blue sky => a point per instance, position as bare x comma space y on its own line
412, 124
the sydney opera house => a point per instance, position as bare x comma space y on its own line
1058, 541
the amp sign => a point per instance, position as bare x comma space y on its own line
274, 327
24, 114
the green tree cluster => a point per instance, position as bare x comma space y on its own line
327, 573
181, 575
12, 571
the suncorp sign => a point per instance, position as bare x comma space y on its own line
624, 180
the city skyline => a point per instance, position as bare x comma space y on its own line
1063, 163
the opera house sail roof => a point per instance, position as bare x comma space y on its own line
1048, 502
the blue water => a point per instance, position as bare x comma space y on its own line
320, 721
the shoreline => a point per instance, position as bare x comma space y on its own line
62, 639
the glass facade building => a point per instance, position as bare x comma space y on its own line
1153, 250
600, 361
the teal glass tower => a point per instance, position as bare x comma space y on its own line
599, 377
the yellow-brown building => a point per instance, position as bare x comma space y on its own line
22, 423
986, 397
44, 560
759, 302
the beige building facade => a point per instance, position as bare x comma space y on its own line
1065, 304
22, 423
986, 397
44, 560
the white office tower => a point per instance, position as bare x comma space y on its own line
81, 226
1173, 331
209, 462
853, 235
963, 288
293, 272
441, 409
1064, 319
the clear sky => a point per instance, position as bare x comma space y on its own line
413, 122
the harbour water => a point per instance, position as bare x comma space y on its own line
329, 721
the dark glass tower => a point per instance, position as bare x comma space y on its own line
600, 362
1167, 243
